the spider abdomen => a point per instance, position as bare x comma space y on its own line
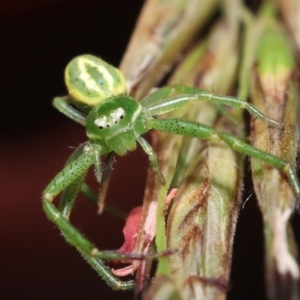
90, 80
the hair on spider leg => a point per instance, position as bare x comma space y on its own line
248, 198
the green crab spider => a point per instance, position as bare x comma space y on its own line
115, 123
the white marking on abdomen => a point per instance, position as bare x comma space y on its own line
91, 83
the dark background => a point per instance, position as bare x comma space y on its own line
38, 38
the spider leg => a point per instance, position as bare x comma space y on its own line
189, 94
73, 171
157, 97
152, 157
63, 105
70, 180
191, 129
72, 190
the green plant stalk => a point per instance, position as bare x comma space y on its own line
203, 214
274, 91
162, 288
164, 29
290, 10
145, 63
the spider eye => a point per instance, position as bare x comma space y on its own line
117, 114
111, 120
101, 122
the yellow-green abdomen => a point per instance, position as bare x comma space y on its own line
90, 80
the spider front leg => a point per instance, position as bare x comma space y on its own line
69, 196
70, 180
191, 129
